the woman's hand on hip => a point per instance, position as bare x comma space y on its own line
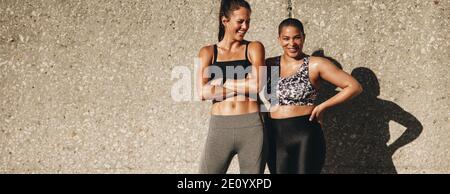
318, 113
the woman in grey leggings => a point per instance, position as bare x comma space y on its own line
229, 77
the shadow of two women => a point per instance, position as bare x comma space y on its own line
357, 132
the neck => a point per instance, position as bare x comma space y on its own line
288, 59
228, 43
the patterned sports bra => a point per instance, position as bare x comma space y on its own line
297, 88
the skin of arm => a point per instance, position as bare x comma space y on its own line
329, 72
206, 90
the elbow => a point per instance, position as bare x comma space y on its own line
354, 89
204, 94
202, 97
206, 97
358, 89
254, 89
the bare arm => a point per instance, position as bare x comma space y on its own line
206, 90
252, 84
329, 72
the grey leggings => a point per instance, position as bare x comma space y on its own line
230, 135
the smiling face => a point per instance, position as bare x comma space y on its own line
291, 39
237, 24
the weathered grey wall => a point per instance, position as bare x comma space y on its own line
85, 86
404, 46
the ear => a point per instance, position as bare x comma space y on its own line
225, 20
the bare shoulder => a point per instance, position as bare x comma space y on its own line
316, 63
256, 53
206, 51
255, 46
319, 60
206, 55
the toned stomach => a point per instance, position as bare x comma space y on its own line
238, 105
282, 112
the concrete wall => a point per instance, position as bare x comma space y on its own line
85, 86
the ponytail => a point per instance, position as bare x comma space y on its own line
226, 7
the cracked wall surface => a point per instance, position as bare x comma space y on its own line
85, 86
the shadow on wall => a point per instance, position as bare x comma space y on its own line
357, 132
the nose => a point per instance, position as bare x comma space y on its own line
291, 42
245, 25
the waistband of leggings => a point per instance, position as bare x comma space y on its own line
303, 117
300, 119
236, 121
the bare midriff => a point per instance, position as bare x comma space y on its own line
237, 105
287, 111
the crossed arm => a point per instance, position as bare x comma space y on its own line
206, 90
253, 83
215, 90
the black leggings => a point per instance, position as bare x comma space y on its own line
299, 146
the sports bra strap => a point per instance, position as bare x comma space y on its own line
246, 48
215, 54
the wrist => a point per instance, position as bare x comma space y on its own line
323, 106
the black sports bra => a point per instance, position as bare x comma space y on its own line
236, 69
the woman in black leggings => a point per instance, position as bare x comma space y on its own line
295, 116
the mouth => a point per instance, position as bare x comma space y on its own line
292, 50
241, 32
